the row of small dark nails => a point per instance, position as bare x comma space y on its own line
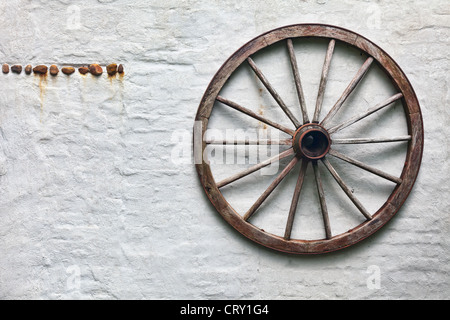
94, 69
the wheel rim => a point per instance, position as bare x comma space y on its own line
320, 127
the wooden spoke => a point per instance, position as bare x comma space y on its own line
298, 84
323, 205
346, 189
254, 168
250, 142
365, 166
254, 115
370, 140
293, 208
272, 91
323, 80
376, 108
272, 187
352, 85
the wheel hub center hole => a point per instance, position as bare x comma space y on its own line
314, 143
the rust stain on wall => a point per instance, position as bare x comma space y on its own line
261, 113
111, 78
261, 108
42, 90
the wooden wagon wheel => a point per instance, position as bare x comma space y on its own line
312, 139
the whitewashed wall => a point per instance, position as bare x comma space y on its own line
92, 203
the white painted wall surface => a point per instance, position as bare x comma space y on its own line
92, 203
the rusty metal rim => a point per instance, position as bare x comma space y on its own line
410, 169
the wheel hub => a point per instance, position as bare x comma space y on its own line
311, 141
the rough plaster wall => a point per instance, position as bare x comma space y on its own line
92, 204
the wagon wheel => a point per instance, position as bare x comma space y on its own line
311, 141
